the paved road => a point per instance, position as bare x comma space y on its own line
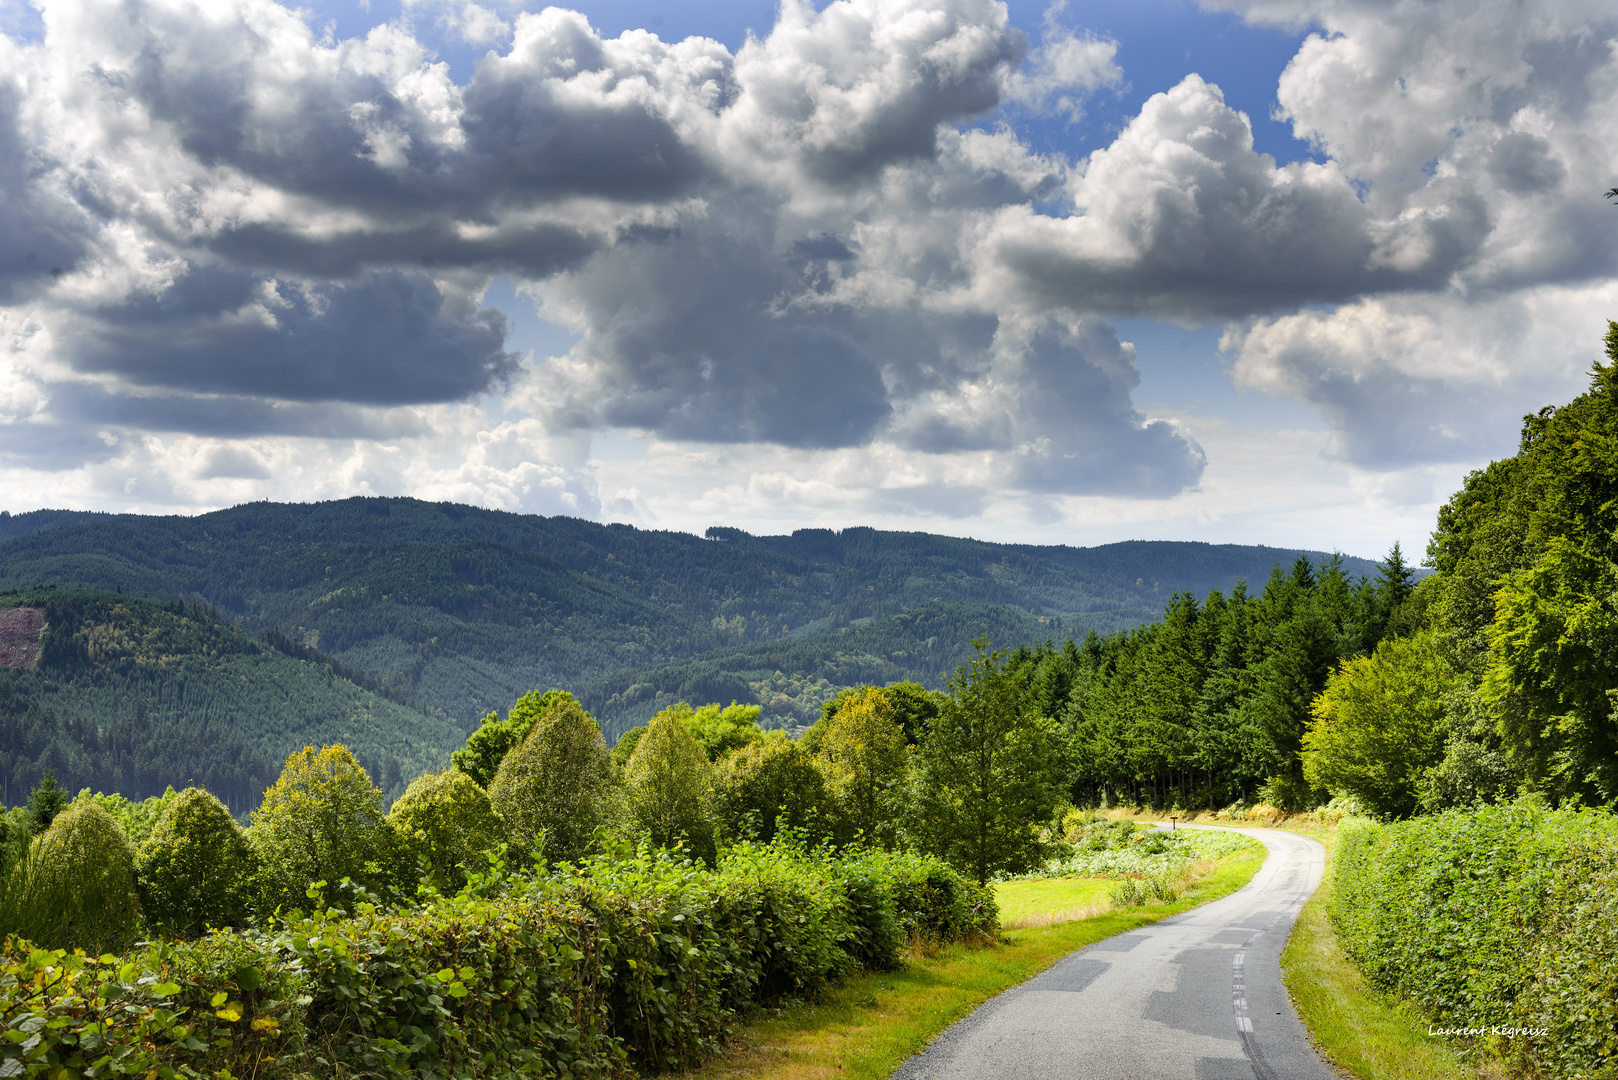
1195, 997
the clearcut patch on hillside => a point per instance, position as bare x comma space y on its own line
20, 629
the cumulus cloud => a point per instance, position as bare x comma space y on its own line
222, 224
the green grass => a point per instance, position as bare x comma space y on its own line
1365, 1033
870, 1024
1040, 902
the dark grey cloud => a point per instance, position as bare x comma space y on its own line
226, 416
385, 339
43, 233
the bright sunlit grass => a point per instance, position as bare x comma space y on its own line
1041, 902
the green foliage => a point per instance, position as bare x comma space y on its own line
1378, 727
1494, 917
988, 775
867, 764
137, 819
631, 960
722, 729
84, 867
624, 748
558, 783
133, 696
487, 746
670, 785
45, 802
1126, 852
321, 821
771, 785
195, 870
1528, 565
445, 821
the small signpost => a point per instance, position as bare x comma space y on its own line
1172, 820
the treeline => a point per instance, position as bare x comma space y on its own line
1210, 705
133, 695
1490, 678
792, 679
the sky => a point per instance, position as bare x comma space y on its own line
1278, 271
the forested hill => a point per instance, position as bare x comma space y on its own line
466, 609
127, 695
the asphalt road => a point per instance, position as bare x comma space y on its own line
1195, 997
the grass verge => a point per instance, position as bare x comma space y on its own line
870, 1024
1362, 1031
1043, 901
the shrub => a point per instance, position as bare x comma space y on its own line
670, 784
558, 781
631, 958
1494, 917
446, 821
79, 879
770, 785
195, 869
320, 821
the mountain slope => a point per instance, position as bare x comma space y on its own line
465, 609
131, 695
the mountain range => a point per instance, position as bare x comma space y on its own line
440, 613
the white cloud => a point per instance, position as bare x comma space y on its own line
256, 250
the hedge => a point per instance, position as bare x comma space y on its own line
629, 962
1499, 920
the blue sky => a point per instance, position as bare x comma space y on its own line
1022, 272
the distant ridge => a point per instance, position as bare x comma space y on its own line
460, 610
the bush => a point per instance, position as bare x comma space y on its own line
630, 958
772, 784
445, 821
79, 880
558, 781
670, 784
195, 869
1495, 917
320, 821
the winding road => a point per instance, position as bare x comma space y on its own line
1194, 997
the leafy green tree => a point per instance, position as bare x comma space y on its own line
445, 820
81, 875
558, 782
45, 802
722, 729
867, 762
136, 817
195, 869
625, 746
1528, 562
769, 785
988, 775
321, 820
495, 738
1379, 726
670, 785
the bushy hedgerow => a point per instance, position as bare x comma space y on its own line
1499, 917
631, 959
